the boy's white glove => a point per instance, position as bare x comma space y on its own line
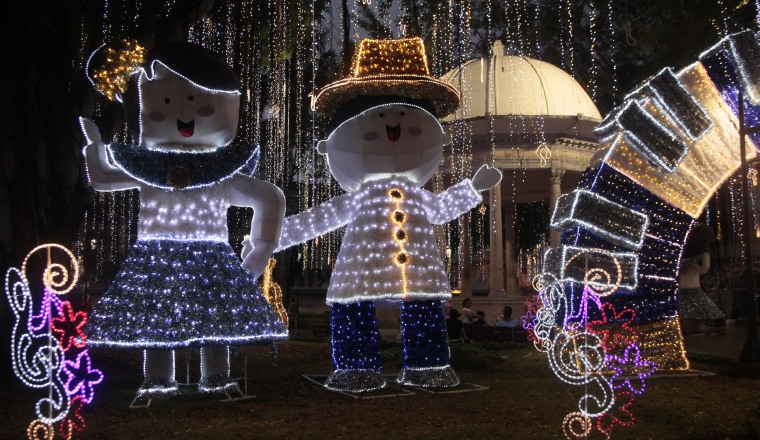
486, 177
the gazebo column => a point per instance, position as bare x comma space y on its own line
496, 240
509, 251
555, 190
464, 262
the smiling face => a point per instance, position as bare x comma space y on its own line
176, 114
393, 139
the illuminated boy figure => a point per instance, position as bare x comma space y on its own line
384, 143
181, 284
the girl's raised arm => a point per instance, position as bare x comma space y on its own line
102, 175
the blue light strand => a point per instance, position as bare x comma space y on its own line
423, 332
355, 343
659, 256
722, 71
354, 336
184, 170
426, 346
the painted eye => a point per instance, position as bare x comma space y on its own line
190, 98
382, 115
167, 100
402, 113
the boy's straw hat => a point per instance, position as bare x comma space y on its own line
396, 67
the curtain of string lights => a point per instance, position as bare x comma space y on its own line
283, 50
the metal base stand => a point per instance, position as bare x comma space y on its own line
142, 401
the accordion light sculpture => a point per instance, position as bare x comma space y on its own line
608, 304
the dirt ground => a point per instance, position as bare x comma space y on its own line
523, 400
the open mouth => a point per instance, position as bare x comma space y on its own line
186, 128
393, 132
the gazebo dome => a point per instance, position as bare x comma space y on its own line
534, 122
522, 86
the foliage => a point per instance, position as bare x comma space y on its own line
392, 355
609, 47
474, 356
498, 346
532, 224
463, 356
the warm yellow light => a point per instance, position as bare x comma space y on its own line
660, 342
384, 57
39, 430
709, 162
55, 276
400, 235
273, 292
112, 79
395, 193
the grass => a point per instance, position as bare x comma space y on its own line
524, 401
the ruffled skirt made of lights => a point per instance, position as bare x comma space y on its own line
172, 294
693, 303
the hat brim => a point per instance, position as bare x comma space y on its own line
444, 97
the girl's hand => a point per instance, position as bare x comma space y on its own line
247, 247
257, 259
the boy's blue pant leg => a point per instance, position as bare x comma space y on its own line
355, 343
423, 332
426, 346
355, 339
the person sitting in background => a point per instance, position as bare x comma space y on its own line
454, 326
481, 318
447, 305
695, 307
506, 319
469, 317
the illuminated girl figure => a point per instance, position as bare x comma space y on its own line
385, 143
181, 284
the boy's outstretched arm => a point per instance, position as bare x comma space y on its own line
317, 221
460, 198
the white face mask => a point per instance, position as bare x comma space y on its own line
388, 140
177, 114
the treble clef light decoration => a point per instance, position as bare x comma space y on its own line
585, 352
544, 154
48, 344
